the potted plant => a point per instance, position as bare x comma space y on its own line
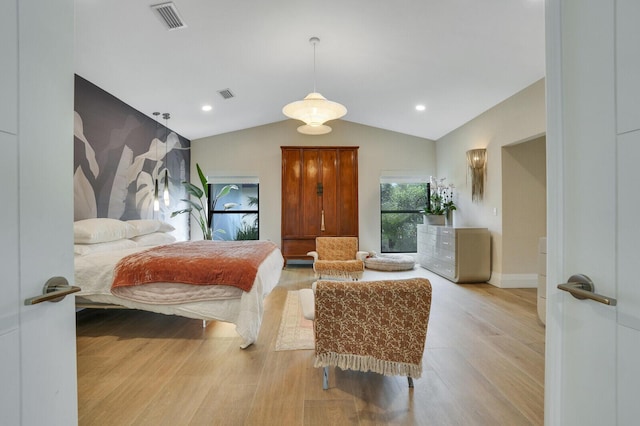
199, 209
440, 203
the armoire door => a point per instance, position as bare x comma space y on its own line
347, 206
292, 203
319, 196
326, 223
312, 193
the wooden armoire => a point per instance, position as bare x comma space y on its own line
319, 196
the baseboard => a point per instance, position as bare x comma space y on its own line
514, 280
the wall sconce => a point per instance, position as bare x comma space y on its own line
477, 160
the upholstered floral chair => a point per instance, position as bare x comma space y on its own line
338, 257
377, 326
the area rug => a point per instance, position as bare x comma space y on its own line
295, 331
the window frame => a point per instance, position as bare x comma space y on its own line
232, 180
419, 210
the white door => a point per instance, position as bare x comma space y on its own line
37, 343
593, 136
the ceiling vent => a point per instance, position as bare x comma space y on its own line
169, 15
226, 93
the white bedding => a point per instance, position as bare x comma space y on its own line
94, 274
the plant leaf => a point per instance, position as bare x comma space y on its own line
225, 190
177, 212
203, 179
144, 195
193, 190
119, 189
85, 199
193, 205
78, 132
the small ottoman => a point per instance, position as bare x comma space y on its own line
390, 262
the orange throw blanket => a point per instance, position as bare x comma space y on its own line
233, 263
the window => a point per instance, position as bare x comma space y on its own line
236, 213
400, 207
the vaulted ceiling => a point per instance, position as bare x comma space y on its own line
378, 58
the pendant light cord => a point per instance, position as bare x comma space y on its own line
156, 206
314, 41
166, 117
166, 196
156, 114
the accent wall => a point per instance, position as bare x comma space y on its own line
119, 153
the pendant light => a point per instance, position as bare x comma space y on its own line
314, 109
156, 202
167, 200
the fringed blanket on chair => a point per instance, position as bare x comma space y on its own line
378, 326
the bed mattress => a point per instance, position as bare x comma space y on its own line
94, 275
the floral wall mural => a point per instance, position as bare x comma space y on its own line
119, 152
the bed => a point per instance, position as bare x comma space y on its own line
99, 251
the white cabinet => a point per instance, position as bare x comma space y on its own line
461, 255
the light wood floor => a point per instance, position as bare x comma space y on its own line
483, 365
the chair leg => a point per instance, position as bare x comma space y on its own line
410, 381
325, 378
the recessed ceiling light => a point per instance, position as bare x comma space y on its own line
206, 107
420, 107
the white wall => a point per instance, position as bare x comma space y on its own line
518, 118
256, 152
524, 205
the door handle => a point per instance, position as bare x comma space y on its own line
581, 287
54, 290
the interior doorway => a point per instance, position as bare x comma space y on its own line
524, 205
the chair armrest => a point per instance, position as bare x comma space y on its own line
362, 255
313, 254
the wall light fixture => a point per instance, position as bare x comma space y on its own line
477, 160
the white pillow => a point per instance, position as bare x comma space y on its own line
154, 239
82, 249
148, 226
101, 230
144, 226
166, 227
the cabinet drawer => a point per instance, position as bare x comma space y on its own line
440, 230
298, 248
445, 230
427, 240
432, 229
444, 255
431, 240
445, 269
440, 262
447, 242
